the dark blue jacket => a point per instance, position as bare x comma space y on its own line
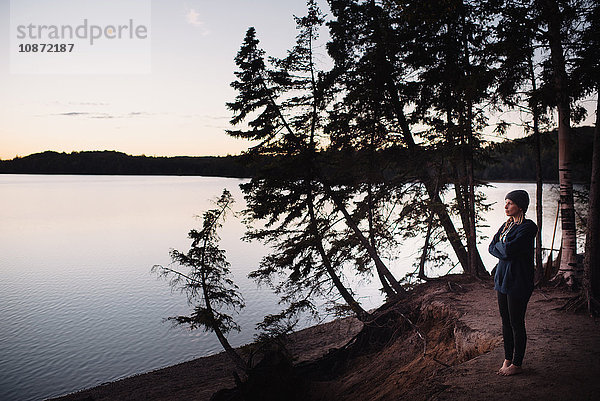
515, 269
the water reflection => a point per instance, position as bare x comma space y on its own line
79, 306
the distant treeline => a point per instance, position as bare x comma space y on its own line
515, 160
117, 163
510, 160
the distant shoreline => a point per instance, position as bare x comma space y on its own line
242, 178
118, 163
509, 161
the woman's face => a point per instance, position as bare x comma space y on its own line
511, 208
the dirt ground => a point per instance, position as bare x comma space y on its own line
199, 379
456, 359
562, 360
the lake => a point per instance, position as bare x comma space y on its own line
79, 305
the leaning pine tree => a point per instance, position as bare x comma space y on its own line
207, 284
286, 194
378, 51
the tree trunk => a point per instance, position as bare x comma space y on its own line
476, 269
568, 262
439, 207
591, 262
462, 200
453, 237
567, 209
387, 289
423, 259
466, 125
379, 265
539, 263
384, 283
361, 314
428, 180
232, 353
460, 196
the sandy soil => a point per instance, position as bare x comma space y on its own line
460, 324
201, 378
562, 360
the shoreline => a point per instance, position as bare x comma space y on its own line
481, 181
305, 345
458, 361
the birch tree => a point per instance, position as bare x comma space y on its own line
556, 20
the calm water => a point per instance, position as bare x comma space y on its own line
78, 304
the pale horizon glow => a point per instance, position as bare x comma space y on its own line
178, 109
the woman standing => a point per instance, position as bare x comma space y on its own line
513, 245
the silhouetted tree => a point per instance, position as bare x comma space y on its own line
361, 124
562, 21
383, 56
591, 262
283, 104
518, 86
207, 284
587, 74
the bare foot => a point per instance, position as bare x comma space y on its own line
505, 366
511, 370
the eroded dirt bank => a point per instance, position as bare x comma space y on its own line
463, 351
449, 350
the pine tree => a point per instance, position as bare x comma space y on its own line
283, 104
517, 37
386, 58
207, 284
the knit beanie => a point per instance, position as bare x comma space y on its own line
520, 198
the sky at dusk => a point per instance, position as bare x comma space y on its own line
176, 106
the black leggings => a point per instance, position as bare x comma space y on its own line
512, 311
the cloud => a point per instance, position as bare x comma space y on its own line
192, 17
85, 114
227, 118
73, 113
204, 120
206, 117
56, 102
104, 115
89, 103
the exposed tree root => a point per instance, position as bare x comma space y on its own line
581, 302
272, 379
387, 324
396, 327
275, 378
